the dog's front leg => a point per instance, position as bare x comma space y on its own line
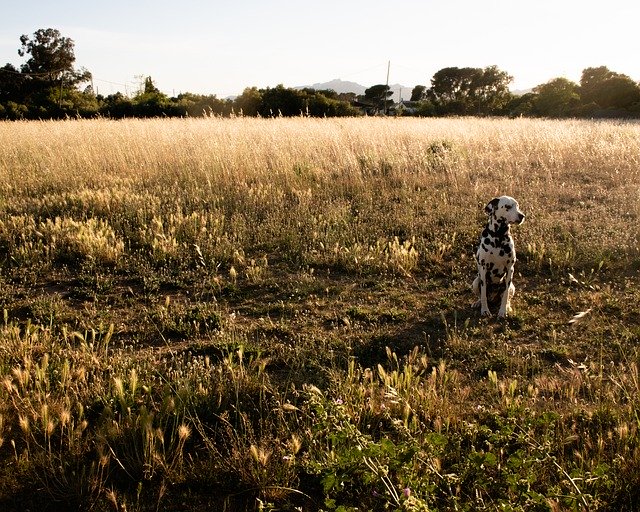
484, 306
506, 294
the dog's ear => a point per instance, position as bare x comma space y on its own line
491, 206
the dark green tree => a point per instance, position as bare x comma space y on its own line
11, 83
450, 90
591, 80
618, 92
490, 90
249, 102
197, 105
281, 101
470, 91
557, 98
607, 89
151, 102
418, 93
326, 103
51, 58
347, 97
379, 96
523, 105
117, 106
47, 85
150, 87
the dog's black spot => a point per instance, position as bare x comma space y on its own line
499, 229
492, 205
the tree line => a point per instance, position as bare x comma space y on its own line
48, 86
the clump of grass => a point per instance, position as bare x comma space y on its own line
61, 240
178, 319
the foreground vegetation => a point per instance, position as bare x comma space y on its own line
276, 314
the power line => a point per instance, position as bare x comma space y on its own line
114, 83
20, 73
48, 73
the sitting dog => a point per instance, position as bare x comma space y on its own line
496, 255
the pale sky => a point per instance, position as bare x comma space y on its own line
222, 46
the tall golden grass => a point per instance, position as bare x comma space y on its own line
166, 183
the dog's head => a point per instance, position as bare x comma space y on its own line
505, 208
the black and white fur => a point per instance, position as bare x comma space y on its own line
496, 255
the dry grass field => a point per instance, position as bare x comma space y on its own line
253, 314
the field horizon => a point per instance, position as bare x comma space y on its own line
276, 314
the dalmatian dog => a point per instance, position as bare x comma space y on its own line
496, 256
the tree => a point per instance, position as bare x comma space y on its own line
379, 96
557, 98
117, 106
591, 80
326, 103
281, 101
150, 102
150, 87
490, 90
248, 103
51, 58
451, 89
197, 105
418, 93
465, 91
523, 105
47, 85
347, 97
286, 102
618, 92
607, 89
11, 82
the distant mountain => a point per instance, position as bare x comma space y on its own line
342, 86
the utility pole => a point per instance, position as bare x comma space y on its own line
386, 88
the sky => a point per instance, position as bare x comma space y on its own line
223, 46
